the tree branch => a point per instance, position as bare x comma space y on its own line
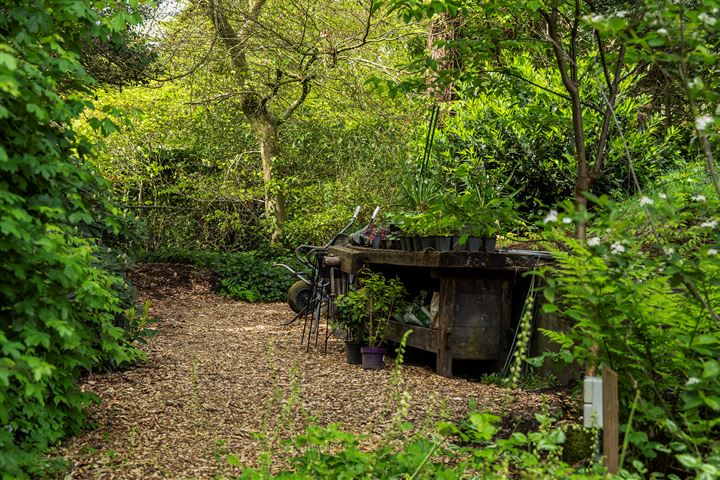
299, 100
614, 86
230, 39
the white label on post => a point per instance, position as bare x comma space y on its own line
592, 399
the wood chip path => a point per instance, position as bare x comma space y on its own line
224, 377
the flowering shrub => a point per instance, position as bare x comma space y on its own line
645, 299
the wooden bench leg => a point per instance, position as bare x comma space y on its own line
445, 324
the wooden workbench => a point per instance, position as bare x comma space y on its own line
481, 297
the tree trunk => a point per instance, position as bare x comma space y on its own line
443, 28
266, 129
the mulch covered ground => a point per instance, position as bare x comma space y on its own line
225, 377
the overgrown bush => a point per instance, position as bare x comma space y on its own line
518, 134
250, 276
58, 306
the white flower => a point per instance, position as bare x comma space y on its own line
662, 31
617, 247
663, 196
707, 19
709, 224
701, 123
621, 14
698, 198
692, 381
696, 83
712, 252
669, 251
597, 18
646, 201
567, 220
552, 216
593, 241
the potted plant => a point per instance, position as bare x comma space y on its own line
484, 207
383, 298
351, 318
368, 310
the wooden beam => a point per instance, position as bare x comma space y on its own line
354, 257
422, 337
446, 316
611, 420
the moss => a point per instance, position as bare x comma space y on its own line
579, 442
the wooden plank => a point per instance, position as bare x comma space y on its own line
506, 315
422, 337
427, 259
446, 317
353, 257
349, 258
611, 420
475, 343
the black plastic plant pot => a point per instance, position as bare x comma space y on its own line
474, 244
427, 243
352, 353
456, 245
444, 244
417, 244
489, 244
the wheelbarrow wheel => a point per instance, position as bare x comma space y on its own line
299, 296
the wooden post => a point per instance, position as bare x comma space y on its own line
446, 316
611, 420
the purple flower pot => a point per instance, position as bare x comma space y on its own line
373, 358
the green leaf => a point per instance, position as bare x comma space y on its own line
711, 369
689, 461
8, 61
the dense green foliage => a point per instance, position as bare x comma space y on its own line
453, 452
250, 276
646, 291
543, 101
58, 307
189, 173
